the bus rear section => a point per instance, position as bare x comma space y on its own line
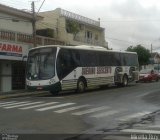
80, 69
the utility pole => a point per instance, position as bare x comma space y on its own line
151, 48
34, 23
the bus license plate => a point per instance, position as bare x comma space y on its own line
39, 88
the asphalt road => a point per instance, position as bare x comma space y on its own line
108, 113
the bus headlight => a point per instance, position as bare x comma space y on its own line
52, 81
28, 83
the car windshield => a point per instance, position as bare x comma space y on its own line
41, 64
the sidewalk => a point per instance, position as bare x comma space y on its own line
20, 93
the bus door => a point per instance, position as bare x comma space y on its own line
66, 69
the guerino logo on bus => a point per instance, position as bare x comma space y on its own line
97, 70
10, 50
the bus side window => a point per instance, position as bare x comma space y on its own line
117, 59
65, 63
123, 59
75, 56
88, 58
101, 59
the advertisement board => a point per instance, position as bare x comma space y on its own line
13, 51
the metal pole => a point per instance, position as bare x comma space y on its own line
151, 48
34, 24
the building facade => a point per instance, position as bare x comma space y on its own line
15, 41
71, 28
154, 62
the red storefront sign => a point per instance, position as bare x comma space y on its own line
12, 51
10, 48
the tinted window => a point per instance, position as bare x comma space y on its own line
75, 57
128, 59
123, 59
117, 59
66, 62
104, 59
131, 59
88, 58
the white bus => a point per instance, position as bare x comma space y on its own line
58, 68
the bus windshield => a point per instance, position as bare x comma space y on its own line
41, 64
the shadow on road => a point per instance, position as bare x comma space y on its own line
91, 90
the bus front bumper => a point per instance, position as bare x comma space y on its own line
53, 88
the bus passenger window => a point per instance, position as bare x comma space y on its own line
65, 63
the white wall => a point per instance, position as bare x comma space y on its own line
20, 26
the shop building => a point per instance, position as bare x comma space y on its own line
15, 41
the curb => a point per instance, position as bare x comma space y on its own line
24, 94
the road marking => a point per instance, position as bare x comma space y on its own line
2, 103
53, 107
29, 107
13, 104
105, 114
90, 110
141, 131
71, 108
22, 105
128, 117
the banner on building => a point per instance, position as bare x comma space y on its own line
13, 51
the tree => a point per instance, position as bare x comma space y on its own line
72, 27
143, 54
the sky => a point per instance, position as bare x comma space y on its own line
126, 22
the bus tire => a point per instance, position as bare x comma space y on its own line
81, 85
125, 81
118, 84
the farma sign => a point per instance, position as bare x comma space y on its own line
12, 51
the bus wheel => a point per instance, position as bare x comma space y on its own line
81, 85
125, 81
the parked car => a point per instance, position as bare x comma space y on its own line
148, 75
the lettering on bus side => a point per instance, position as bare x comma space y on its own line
88, 70
92, 70
104, 70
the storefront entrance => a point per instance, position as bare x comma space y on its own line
18, 75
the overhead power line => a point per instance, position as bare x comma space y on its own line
119, 40
130, 42
40, 6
